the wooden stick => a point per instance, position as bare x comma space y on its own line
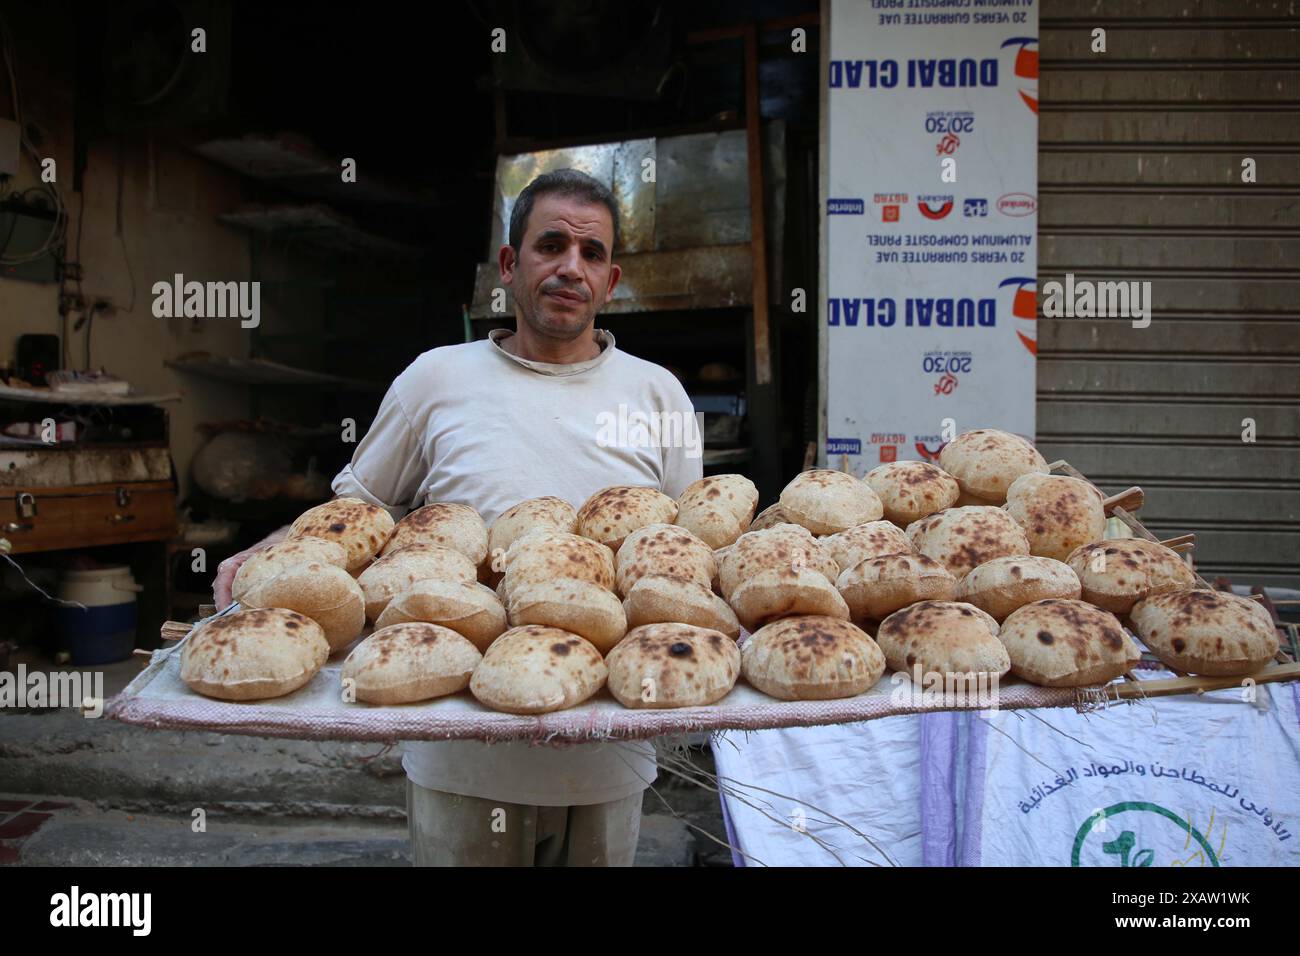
1199, 685
174, 630
757, 226
1175, 544
1130, 499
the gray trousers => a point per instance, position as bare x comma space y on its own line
448, 829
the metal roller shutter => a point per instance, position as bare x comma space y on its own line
1140, 154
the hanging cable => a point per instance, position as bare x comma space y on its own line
59, 228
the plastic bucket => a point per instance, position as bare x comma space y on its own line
105, 631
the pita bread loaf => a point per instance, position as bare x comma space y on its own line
1118, 572
1206, 632
1004, 584
398, 570
1058, 513
942, 637
673, 665
985, 462
911, 490
781, 546
811, 658
783, 592
961, 539
664, 549
877, 587
769, 517
571, 604
253, 655
468, 608
445, 525
405, 663
548, 513
826, 501
327, 594
869, 540
660, 599
613, 513
535, 670
547, 555
361, 528
736, 493
269, 562
718, 509
1060, 643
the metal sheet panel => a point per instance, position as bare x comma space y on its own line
517, 171
1140, 178
702, 192
633, 160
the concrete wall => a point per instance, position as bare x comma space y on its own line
169, 201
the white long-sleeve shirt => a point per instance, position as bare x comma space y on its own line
476, 425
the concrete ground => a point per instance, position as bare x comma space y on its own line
89, 792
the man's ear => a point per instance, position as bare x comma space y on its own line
615, 273
506, 262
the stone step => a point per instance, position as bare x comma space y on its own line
58, 751
40, 832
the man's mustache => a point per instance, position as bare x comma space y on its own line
577, 290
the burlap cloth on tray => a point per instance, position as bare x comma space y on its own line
158, 698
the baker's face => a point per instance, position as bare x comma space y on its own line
563, 272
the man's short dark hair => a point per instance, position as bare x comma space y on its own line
560, 182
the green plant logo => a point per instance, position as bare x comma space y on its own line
1128, 848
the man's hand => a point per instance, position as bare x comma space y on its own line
228, 568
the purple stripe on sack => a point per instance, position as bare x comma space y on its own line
939, 741
972, 816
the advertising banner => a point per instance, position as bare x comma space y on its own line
931, 225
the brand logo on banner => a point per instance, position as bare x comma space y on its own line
950, 122
925, 74
923, 449
975, 208
1024, 306
1017, 204
934, 207
948, 145
1026, 68
951, 364
845, 207
843, 446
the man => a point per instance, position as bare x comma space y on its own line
489, 424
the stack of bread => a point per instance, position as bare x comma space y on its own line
981, 563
